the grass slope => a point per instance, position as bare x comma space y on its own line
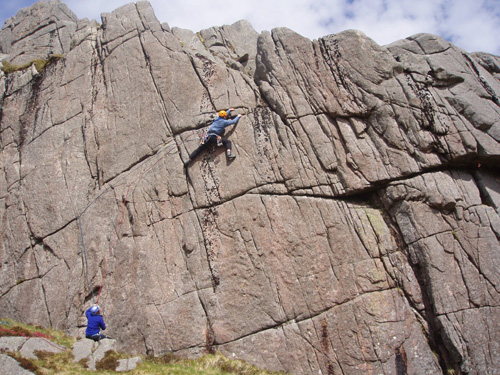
62, 363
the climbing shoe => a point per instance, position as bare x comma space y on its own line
231, 156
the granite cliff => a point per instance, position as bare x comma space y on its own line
356, 232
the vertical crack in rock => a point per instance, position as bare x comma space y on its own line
450, 355
41, 276
4, 90
482, 80
131, 219
331, 54
44, 293
487, 184
208, 216
89, 130
325, 346
423, 94
211, 241
401, 361
430, 327
159, 93
29, 116
204, 76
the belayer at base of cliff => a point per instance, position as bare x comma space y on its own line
214, 136
95, 323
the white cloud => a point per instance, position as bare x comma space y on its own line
388, 21
470, 24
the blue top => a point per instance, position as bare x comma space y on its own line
95, 322
220, 124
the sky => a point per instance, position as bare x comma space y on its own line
473, 25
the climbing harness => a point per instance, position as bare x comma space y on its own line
206, 137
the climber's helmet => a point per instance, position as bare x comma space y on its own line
94, 309
222, 113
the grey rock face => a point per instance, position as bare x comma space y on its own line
83, 349
11, 343
92, 351
38, 31
33, 344
10, 366
357, 231
128, 364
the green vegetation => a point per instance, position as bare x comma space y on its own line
109, 362
62, 363
211, 364
40, 64
10, 328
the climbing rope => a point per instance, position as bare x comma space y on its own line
85, 255
120, 219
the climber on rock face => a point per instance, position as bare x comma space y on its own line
213, 136
95, 323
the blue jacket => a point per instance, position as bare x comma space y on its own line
220, 124
95, 322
